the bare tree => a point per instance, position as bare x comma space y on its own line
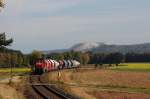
1, 3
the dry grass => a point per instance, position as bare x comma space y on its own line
113, 78
104, 78
8, 92
80, 92
15, 89
66, 77
85, 78
119, 95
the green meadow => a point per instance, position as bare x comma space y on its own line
15, 70
145, 67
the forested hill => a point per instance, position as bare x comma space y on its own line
98, 47
136, 48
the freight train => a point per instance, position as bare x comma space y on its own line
47, 65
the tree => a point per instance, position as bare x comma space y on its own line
1, 3
137, 57
25, 60
3, 41
117, 58
76, 55
35, 55
114, 58
67, 55
7, 59
19, 60
84, 58
14, 59
55, 56
98, 58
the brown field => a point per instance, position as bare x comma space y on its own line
119, 95
113, 78
99, 83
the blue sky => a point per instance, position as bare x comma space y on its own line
56, 24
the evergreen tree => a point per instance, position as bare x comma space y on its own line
3, 41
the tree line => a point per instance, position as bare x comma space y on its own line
96, 58
14, 59
89, 57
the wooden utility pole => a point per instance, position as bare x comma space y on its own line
11, 70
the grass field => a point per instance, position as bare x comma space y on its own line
116, 81
15, 70
145, 67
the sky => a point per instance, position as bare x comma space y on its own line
58, 24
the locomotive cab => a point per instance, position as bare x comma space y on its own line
38, 66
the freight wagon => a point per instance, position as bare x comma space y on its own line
47, 65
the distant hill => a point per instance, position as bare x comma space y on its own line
137, 48
105, 48
55, 51
87, 46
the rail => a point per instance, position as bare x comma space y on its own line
46, 91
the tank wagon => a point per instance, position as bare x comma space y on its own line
47, 65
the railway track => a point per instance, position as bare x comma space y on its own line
47, 91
